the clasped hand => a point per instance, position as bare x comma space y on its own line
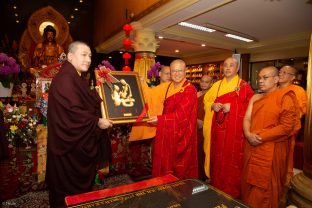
254, 139
105, 123
218, 106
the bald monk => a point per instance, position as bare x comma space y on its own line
269, 120
287, 75
225, 105
175, 147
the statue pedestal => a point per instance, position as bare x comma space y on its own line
301, 191
6, 92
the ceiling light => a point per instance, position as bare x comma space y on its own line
203, 45
72, 16
160, 37
68, 22
238, 38
196, 27
176, 51
76, 9
120, 52
14, 7
16, 15
17, 21
110, 57
80, 1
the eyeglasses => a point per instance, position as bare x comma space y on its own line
177, 71
265, 77
283, 72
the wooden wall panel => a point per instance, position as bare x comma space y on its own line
110, 16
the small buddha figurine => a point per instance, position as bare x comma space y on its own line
24, 89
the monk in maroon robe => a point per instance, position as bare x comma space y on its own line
74, 128
175, 148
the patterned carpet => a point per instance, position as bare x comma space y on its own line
40, 199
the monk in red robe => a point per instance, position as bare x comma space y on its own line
175, 148
270, 119
225, 105
74, 128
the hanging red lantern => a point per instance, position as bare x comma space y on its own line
127, 43
126, 68
127, 28
126, 56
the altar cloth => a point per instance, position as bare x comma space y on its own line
94, 195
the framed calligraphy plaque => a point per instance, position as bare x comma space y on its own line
123, 100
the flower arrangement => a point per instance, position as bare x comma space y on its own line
8, 70
153, 74
20, 128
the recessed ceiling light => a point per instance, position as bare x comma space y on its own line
17, 21
120, 52
68, 22
80, 1
160, 37
76, 9
14, 7
16, 15
110, 57
203, 45
176, 51
238, 38
196, 27
72, 16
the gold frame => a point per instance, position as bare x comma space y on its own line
121, 113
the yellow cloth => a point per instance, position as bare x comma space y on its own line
155, 98
209, 99
42, 135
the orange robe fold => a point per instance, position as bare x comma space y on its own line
302, 98
273, 118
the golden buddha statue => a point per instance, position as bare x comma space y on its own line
47, 52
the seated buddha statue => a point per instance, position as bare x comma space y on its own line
47, 52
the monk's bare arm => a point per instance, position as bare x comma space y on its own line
252, 138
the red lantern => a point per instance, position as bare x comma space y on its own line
126, 68
127, 43
127, 28
126, 56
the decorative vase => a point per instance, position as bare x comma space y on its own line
6, 92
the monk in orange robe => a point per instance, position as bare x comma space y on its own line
269, 120
287, 75
175, 147
144, 130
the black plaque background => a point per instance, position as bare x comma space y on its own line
117, 113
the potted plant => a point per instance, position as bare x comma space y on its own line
8, 72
